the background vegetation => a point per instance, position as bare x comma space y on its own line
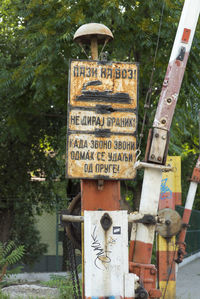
36, 42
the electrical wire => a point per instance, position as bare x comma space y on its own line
149, 91
170, 271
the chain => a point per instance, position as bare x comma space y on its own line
73, 269
76, 272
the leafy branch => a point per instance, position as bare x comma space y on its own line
9, 255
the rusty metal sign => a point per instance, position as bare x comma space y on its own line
102, 120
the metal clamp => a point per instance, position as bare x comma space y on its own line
136, 217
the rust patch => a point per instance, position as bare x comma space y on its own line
174, 76
102, 120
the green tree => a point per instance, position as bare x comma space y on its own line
36, 44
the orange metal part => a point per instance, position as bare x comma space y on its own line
196, 175
106, 199
147, 274
142, 252
186, 35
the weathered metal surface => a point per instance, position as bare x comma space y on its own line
102, 120
186, 35
172, 225
176, 68
158, 145
196, 172
142, 238
147, 274
93, 83
170, 196
107, 199
106, 254
170, 92
93, 121
96, 157
170, 190
177, 64
87, 31
167, 266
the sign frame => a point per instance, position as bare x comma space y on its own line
95, 107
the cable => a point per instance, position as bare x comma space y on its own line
170, 271
149, 91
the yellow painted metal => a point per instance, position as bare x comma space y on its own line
174, 177
166, 248
111, 157
102, 120
170, 292
162, 244
88, 76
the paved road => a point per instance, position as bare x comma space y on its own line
188, 281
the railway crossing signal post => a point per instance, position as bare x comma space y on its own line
100, 150
101, 146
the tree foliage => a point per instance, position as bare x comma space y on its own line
36, 44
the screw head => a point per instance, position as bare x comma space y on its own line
152, 156
168, 222
159, 159
156, 135
163, 121
169, 100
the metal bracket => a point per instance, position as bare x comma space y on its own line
106, 221
100, 185
136, 217
157, 145
181, 54
164, 168
147, 219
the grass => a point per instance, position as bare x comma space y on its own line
64, 286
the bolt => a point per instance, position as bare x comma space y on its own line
163, 121
152, 156
159, 159
169, 100
165, 83
168, 222
156, 135
163, 137
153, 271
